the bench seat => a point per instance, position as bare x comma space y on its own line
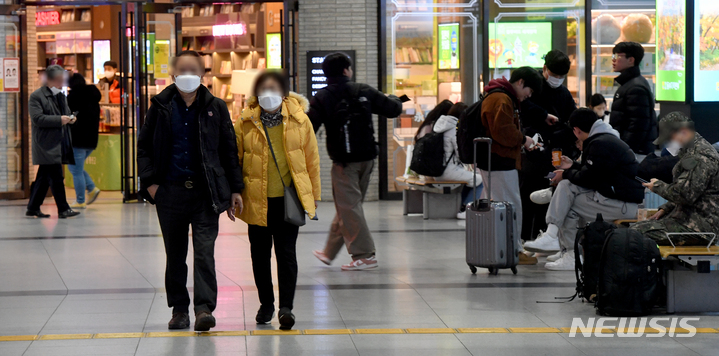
434, 199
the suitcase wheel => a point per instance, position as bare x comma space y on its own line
472, 268
493, 271
514, 270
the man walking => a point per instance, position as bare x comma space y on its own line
346, 108
633, 112
188, 166
50, 116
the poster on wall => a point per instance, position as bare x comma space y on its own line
706, 50
671, 50
162, 58
448, 46
316, 78
11, 74
518, 44
100, 54
274, 50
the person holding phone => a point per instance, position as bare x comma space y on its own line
277, 149
84, 101
603, 182
188, 167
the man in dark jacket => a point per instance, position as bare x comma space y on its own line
603, 182
546, 113
50, 116
188, 166
346, 108
633, 112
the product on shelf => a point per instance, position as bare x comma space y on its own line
606, 29
637, 28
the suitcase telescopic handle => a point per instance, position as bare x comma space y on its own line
488, 141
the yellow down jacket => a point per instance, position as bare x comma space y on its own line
300, 149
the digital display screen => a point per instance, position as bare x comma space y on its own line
519, 44
706, 50
671, 50
274, 50
448, 48
100, 54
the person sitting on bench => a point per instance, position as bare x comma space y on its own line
693, 194
603, 182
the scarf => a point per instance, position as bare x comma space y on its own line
271, 120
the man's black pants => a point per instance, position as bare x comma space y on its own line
48, 176
285, 237
177, 209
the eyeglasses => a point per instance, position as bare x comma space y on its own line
618, 55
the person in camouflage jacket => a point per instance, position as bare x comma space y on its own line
693, 194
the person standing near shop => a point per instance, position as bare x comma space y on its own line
277, 149
50, 116
633, 112
188, 167
352, 148
112, 81
85, 100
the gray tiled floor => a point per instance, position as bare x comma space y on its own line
104, 272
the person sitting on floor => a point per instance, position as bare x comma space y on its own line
602, 183
693, 194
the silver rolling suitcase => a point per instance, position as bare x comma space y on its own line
491, 240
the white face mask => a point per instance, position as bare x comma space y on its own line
673, 147
554, 82
269, 100
109, 74
187, 83
55, 91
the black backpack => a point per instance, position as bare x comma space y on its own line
428, 155
470, 127
350, 132
630, 274
591, 237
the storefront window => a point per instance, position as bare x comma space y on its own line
11, 162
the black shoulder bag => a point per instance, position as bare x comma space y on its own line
294, 212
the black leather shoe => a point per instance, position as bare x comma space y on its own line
287, 319
179, 321
204, 321
264, 315
68, 214
36, 214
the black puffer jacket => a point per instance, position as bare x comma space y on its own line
608, 166
633, 112
85, 100
323, 104
220, 162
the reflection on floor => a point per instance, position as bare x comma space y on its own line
88, 278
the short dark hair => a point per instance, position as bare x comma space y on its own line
76, 81
583, 118
112, 64
275, 75
335, 64
457, 109
631, 50
189, 54
557, 62
597, 99
531, 76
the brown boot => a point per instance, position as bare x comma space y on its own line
179, 321
527, 260
204, 321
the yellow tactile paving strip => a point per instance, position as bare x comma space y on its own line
324, 332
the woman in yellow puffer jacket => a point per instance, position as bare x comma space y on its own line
280, 114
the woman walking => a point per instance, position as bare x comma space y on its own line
85, 100
278, 151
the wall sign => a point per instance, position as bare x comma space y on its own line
10, 69
671, 50
46, 18
235, 29
448, 48
706, 50
316, 78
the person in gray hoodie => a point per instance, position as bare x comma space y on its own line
455, 170
603, 182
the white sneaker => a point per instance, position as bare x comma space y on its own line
361, 264
564, 263
541, 197
555, 257
322, 257
544, 243
462, 215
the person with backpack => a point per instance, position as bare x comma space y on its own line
633, 112
345, 109
693, 194
603, 182
428, 124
